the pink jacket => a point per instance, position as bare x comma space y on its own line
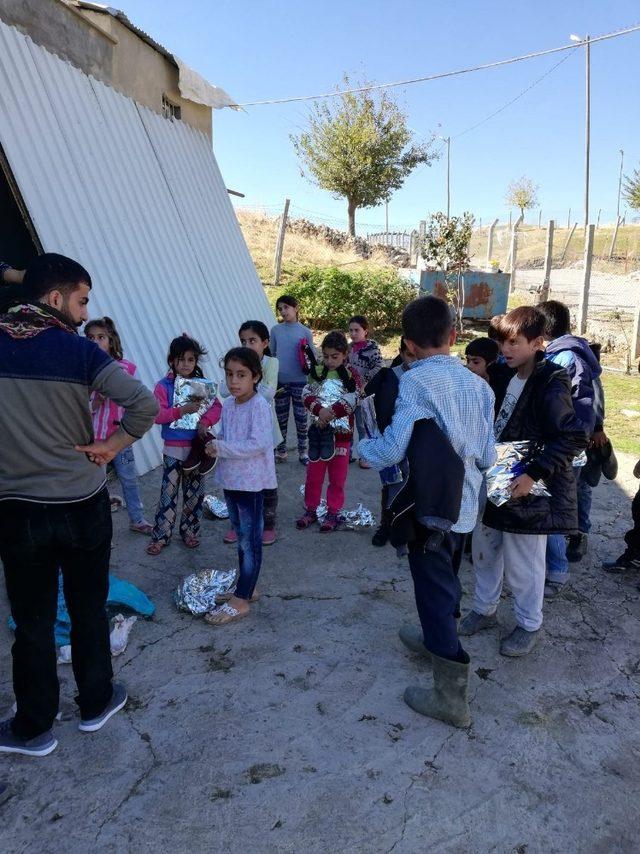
107, 414
169, 413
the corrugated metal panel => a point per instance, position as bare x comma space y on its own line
135, 198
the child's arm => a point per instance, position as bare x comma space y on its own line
391, 447
260, 438
167, 412
212, 415
564, 434
269, 385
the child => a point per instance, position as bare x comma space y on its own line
439, 387
246, 469
330, 396
481, 353
384, 386
106, 420
255, 335
365, 359
182, 359
534, 405
286, 340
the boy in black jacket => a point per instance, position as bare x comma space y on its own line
533, 404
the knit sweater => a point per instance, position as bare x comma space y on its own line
285, 345
366, 359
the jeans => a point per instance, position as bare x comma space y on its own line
557, 562
35, 541
125, 465
246, 515
434, 567
519, 559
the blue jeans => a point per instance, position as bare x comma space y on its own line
585, 495
246, 516
557, 563
125, 465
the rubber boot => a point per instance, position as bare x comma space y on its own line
448, 700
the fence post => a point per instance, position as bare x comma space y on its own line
569, 218
513, 252
614, 238
598, 220
635, 339
566, 245
540, 218
490, 242
548, 258
583, 305
280, 244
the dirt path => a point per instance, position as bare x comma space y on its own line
287, 732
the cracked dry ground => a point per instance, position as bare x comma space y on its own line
287, 731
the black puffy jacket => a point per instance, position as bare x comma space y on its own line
545, 416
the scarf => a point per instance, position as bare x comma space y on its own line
30, 319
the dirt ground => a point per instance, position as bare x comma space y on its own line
287, 731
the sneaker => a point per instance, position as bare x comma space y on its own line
474, 622
327, 444
629, 559
330, 523
552, 589
268, 537
230, 537
207, 464
577, 547
117, 702
519, 642
41, 745
381, 536
314, 442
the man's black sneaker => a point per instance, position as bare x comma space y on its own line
577, 547
627, 560
117, 702
41, 745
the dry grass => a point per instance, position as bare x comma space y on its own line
261, 233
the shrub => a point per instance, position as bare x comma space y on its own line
329, 296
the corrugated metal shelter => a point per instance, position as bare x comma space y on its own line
137, 199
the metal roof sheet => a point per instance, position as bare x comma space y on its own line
138, 200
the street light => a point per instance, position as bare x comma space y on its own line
587, 120
447, 139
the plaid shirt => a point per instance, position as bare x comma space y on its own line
461, 404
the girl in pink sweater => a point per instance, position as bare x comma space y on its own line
182, 359
106, 420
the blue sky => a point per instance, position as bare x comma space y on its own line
269, 49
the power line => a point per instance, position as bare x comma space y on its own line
440, 76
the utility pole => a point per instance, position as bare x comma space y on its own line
619, 184
448, 177
587, 132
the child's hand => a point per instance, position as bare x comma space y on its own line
189, 408
203, 431
211, 449
598, 440
325, 416
521, 486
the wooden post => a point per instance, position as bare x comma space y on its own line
548, 258
614, 238
598, 220
566, 245
513, 252
540, 218
280, 244
635, 338
490, 242
569, 219
583, 306
510, 223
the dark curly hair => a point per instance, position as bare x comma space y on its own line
183, 344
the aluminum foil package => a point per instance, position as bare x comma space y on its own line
192, 391
330, 391
510, 464
580, 460
368, 409
359, 517
197, 593
214, 507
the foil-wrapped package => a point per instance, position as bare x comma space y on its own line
197, 593
580, 460
214, 507
331, 391
511, 462
193, 390
368, 409
359, 517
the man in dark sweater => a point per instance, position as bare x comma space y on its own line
54, 505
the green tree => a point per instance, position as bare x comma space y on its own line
522, 194
358, 147
631, 189
447, 245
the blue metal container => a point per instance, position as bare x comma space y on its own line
485, 294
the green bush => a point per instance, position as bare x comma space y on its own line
329, 296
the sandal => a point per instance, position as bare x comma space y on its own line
191, 542
223, 615
221, 598
144, 528
331, 522
155, 548
308, 518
